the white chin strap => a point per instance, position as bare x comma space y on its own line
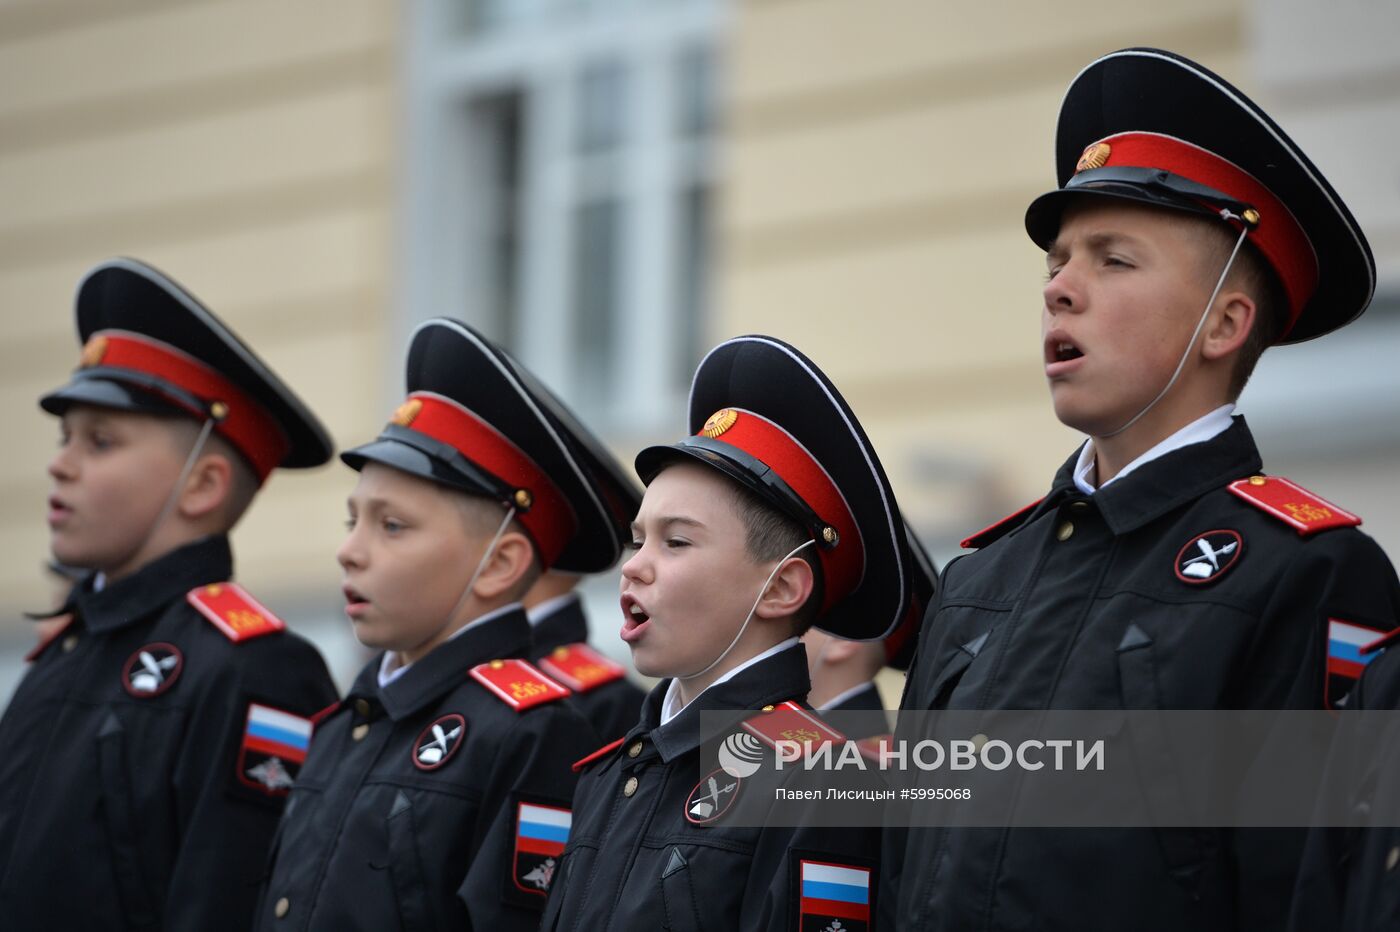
193, 457
481, 564
749, 617
1181, 364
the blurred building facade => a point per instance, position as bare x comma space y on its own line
611, 186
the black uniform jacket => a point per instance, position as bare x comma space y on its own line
612, 707
406, 814
635, 861
1091, 602
1351, 876
124, 802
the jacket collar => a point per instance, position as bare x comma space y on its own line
445, 666
123, 603
1166, 483
564, 625
774, 679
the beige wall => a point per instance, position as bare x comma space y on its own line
243, 146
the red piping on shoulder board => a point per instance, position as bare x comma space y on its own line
603, 751
988, 533
1383, 642
318, 717
47, 642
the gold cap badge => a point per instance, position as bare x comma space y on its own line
218, 410
93, 351
719, 422
829, 535
1095, 156
406, 412
523, 499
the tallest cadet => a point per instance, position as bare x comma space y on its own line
1163, 569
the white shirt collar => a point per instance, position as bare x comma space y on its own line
671, 706
1200, 430
839, 698
389, 670
549, 607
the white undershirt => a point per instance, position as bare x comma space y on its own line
389, 668
671, 706
549, 607
842, 697
1200, 430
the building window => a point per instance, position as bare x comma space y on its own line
558, 179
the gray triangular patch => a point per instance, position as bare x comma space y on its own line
1134, 638
401, 804
677, 863
974, 646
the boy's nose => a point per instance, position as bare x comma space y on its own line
61, 464
348, 553
636, 567
1062, 293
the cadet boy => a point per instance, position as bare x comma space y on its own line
559, 629
147, 753
775, 515
1162, 569
436, 795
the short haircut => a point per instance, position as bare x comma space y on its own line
243, 480
482, 517
771, 535
1252, 274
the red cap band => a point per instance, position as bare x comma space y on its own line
1277, 235
540, 506
245, 423
842, 565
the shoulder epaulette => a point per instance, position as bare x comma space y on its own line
1292, 504
230, 608
992, 531
602, 752
580, 667
318, 717
517, 683
788, 721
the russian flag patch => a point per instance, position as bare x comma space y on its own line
1344, 643
274, 747
541, 832
834, 896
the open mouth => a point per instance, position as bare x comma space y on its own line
1060, 349
58, 510
634, 618
1064, 351
355, 603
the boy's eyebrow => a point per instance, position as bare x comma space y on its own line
1103, 240
668, 520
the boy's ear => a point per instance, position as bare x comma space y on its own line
788, 591
1229, 326
510, 561
208, 487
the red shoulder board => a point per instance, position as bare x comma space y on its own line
1292, 504
602, 752
992, 531
233, 611
788, 721
580, 667
517, 683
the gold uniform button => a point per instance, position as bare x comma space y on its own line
1258, 480
1079, 506
629, 787
1392, 858
283, 907
70, 642
359, 732
1065, 531
635, 749
362, 707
